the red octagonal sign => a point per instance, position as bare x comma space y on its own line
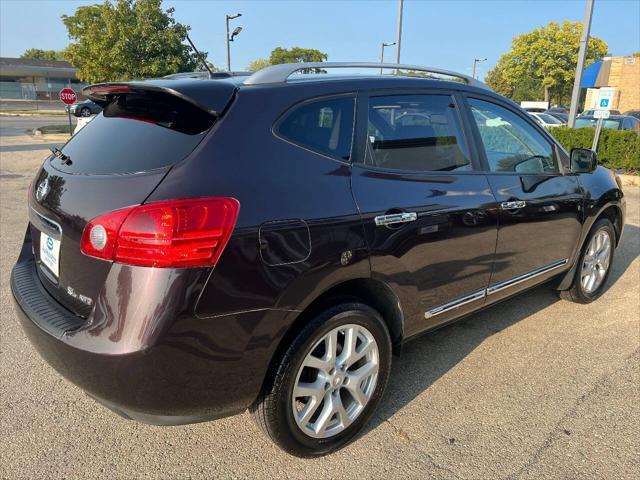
68, 96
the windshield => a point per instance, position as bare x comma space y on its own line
591, 122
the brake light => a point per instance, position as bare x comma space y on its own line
105, 89
174, 233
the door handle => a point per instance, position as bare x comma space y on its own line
394, 218
515, 205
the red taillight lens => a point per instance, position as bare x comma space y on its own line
173, 233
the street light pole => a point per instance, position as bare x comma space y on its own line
475, 62
582, 55
382, 52
229, 39
399, 31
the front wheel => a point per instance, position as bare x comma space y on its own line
594, 264
85, 112
328, 381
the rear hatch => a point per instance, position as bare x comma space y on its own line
115, 161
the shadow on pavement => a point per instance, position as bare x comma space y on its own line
427, 358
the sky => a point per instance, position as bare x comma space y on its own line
445, 34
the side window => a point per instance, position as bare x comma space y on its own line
324, 126
510, 143
417, 133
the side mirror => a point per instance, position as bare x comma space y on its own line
583, 160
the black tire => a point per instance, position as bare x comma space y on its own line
576, 292
85, 112
272, 411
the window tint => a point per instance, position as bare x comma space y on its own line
324, 126
511, 143
415, 132
135, 133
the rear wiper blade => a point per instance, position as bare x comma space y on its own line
65, 159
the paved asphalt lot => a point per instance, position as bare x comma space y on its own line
533, 388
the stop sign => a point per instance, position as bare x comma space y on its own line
68, 96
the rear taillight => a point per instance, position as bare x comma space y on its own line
173, 233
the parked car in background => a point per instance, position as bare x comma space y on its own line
85, 108
546, 120
563, 117
558, 109
178, 272
633, 113
589, 113
614, 122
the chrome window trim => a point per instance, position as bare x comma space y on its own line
526, 276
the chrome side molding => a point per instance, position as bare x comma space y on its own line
456, 303
480, 294
527, 276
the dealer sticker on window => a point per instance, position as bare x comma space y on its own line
50, 252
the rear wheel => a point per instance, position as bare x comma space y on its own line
594, 264
328, 381
85, 112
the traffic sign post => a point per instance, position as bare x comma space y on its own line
68, 97
603, 105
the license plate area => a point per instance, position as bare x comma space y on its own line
50, 254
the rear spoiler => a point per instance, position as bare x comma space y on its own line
209, 96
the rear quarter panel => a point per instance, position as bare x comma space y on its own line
274, 181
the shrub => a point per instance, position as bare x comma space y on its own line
616, 148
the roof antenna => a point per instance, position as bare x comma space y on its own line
200, 57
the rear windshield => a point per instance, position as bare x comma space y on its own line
136, 133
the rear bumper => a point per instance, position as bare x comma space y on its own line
193, 370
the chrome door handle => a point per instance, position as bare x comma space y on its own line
393, 218
515, 205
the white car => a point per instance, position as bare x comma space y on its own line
546, 120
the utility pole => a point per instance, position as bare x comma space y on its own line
582, 55
475, 61
229, 38
382, 52
399, 31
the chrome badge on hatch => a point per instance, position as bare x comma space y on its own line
43, 189
78, 296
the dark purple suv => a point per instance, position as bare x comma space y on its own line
207, 246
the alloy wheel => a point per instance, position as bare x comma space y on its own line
336, 380
596, 261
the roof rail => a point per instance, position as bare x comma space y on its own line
280, 73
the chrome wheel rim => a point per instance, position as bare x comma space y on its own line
596, 261
335, 381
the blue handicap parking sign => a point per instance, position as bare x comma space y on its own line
604, 102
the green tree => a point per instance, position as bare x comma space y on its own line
127, 39
543, 62
289, 55
258, 64
296, 55
39, 54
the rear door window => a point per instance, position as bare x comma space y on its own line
324, 126
416, 133
136, 133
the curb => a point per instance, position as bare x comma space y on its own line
34, 114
